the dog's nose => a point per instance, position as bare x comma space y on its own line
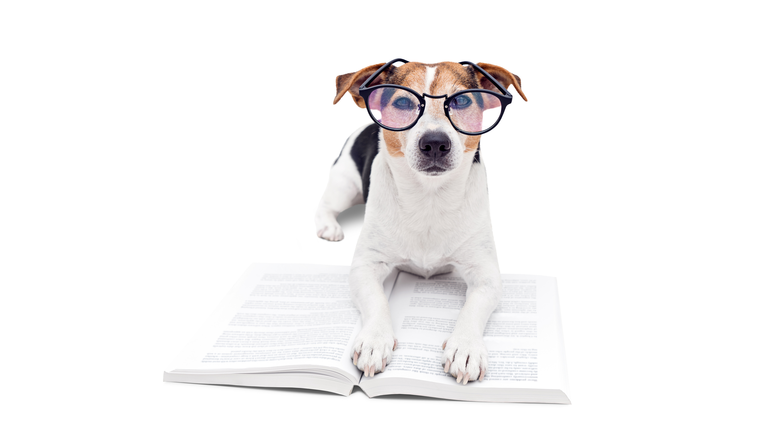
435, 144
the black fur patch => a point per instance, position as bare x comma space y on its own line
341, 151
476, 159
363, 151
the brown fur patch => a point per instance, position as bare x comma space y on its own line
351, 82
471, 143
450, 78
503, 76
392, 140
408, 75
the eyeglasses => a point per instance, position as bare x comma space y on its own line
471, 112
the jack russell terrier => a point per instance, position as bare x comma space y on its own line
419, 171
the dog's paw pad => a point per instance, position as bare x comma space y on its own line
465, 358
372, 352
331, 232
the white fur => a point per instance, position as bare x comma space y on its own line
429, 76
426, 225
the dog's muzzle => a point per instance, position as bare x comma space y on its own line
434, 146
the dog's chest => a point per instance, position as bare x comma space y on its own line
429, 243
424, 232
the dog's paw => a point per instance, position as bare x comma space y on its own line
330, 230
466, 358
373, 347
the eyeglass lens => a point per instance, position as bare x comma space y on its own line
393, 107
474, 111
470, 112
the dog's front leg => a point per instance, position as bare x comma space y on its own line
464, 352
373, 347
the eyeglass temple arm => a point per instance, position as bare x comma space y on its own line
487, 75
381, 69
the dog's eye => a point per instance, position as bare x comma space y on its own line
461, 102
403, 103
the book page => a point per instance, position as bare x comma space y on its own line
523, 336
280, 317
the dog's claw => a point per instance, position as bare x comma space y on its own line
465, 359
373, 343
395, 346
444, 344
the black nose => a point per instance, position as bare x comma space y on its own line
435, 144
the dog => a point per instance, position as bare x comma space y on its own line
427, 210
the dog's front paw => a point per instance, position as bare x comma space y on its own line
373, 347
465, 357
329, 230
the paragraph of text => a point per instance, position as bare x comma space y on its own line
302, 290
506, 306
327, 353
519, 291
295, 320
338, 335
297, 305
442, 288
493, 328
321, 277
512, 371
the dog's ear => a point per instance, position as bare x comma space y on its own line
503, 76
351, 82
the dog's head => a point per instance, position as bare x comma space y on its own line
432, 146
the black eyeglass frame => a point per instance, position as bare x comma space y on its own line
505, 97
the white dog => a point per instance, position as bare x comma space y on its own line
425, 187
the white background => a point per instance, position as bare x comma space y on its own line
152, 150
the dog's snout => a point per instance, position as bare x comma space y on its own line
435, 144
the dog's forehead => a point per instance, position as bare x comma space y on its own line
435, 78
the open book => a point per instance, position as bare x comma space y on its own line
286, 325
